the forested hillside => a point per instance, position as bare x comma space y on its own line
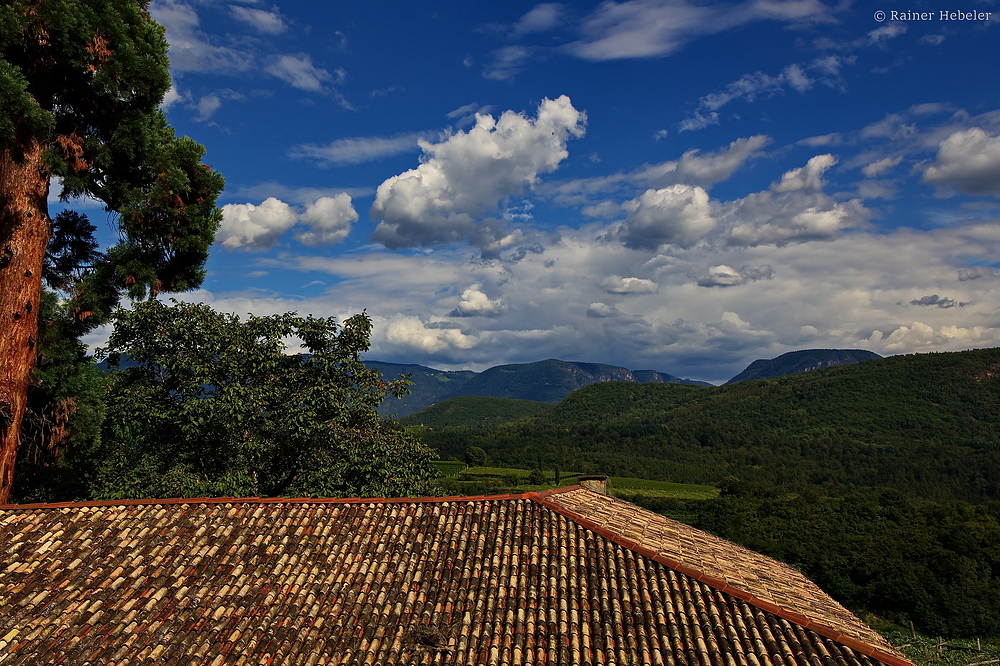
927, 425
891, 558
475, 410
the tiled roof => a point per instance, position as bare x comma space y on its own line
563, 577
769, 581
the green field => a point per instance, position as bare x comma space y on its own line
923, 650
455, 477
619, 485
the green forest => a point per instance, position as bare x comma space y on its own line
927, 425
878, 480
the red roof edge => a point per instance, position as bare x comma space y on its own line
268, 500
288, 500
718, 584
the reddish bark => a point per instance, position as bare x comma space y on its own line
24, 234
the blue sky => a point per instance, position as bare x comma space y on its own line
664, 184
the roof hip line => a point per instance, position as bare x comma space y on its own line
542, 497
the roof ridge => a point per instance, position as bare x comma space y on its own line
803, 621
269, 500
556, 491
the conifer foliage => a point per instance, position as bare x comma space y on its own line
80, 85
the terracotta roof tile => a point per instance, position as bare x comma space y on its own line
510, 580
772, 585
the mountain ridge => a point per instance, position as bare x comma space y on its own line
549, 380
802, 360
552, 379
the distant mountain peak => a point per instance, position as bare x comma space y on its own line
549, 380
804, 360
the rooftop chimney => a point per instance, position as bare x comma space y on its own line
596, 482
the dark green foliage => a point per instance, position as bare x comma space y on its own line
212, 406
447, 468
928, 425
475, 411
85, 78
80, 86
65, 410
937, 564
102, 57
72, 251
475, 456
536, 477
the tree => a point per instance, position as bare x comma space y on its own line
65, 408
475, 456
536, 477
212, 405
80, 83
65, 403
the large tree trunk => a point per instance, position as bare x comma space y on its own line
24, 234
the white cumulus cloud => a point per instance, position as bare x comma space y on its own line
454, 194
475, 303
329, 220
601, 310
675, 215
411, 334
794, 209
765, 218
808, 178
726, 276
258, 227
250, 226
976, 273
968, 160
616, 284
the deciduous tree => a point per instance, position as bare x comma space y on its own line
211, 405
80, 85
475, 456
